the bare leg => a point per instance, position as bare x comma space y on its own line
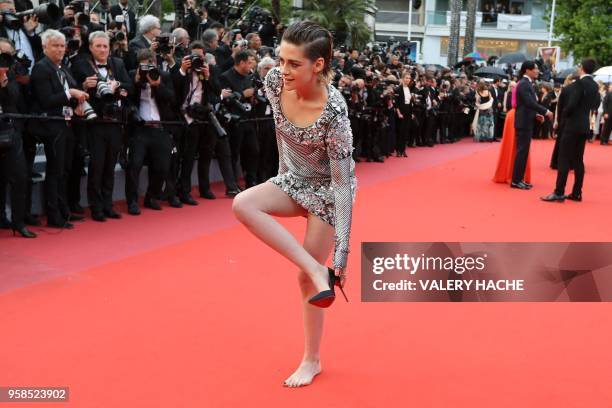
255, 208
318, 241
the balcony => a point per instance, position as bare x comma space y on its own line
486, 21
398, 17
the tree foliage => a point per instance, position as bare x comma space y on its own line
584, 28
345, 18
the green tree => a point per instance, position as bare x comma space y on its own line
345, 18
470, 27
455, 26
584, 27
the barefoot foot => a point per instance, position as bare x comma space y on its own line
304, 374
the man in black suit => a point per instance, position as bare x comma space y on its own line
154, 97
129, 18
24, 38
52, 89
403, 103
149, 27
106, 80
583, 97
527, 107
607, 108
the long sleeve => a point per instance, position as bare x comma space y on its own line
273, 83
339, 144
528, 98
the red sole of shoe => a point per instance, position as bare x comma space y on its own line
323, 302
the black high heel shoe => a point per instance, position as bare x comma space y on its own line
24, 232
327, 297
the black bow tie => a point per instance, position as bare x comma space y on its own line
102, 66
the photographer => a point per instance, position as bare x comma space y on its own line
149, 28
108, 84
154, 98
119, 40
240, 83
194, 91
54, 93
129, 18
24, 37
181, 41
13, 169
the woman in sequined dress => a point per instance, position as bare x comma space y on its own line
316, 177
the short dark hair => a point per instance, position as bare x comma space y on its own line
197, 45
216, 25
145, 54
317, 40
242, 56
527, 65
588, 65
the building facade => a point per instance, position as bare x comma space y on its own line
502, 27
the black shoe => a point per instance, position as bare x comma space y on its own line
232, 193
519, 185
65, 225
112, 214
327, 297
24, 232
553, 197
77, 209
527, 184
574, 197
207, 194
188, 199
76, 217
98, 216
152, 204
133, 209
175, 202
379, 160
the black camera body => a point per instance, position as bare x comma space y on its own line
164, 46
148, 69
197, 62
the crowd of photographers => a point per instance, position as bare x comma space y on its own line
96, 93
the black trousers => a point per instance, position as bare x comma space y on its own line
73, 190
29, 150
404, 133
523, 142
605, 136
13, 173
156, 145
245, 148
104, 142
211, 145
58, 142
571, 155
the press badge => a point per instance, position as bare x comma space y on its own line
67, 112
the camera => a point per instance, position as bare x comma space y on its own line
240, 43
79, 6
82, 109
47, 13
118, 35
104, 91
164, 46
204, 113
148, 69
197, 62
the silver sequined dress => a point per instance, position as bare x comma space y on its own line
316, 167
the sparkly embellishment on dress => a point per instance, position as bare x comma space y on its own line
316, 166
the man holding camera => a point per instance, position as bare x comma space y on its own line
154, 97
129, 18
24, 34
194, 92
240, 82
149, 28
54, 93
108, 84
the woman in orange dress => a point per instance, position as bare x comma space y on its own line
505, 163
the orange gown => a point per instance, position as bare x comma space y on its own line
505, 163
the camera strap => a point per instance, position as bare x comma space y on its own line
109, 70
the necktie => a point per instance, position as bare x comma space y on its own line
102, 66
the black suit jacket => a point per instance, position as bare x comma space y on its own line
163, 94
583, 97
48, 93
116, 11
84, 68
182, 88
404, 108
35, 42
527, 105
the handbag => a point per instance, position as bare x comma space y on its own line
7, 138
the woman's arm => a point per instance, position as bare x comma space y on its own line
339, 144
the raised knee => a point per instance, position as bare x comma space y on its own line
241, 206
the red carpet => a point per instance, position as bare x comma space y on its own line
173, 308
